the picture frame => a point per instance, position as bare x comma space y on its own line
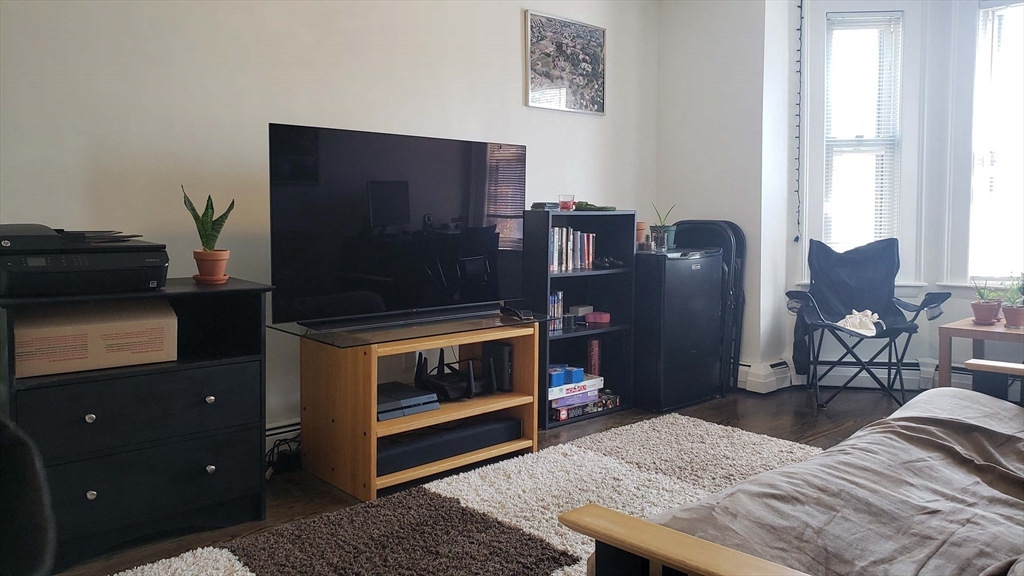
565, 64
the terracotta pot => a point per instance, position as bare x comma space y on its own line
641, 231
986, 311
1014, 316
211, 266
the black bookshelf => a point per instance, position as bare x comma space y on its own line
606, 289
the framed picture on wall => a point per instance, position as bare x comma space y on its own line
565, 64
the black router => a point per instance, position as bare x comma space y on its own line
395, 400
452, 383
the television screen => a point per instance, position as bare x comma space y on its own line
363, 223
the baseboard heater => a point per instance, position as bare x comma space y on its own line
404, 451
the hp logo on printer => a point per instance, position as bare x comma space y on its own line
5, 243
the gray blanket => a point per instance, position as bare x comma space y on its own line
936, 488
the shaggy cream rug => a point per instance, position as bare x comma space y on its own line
641, 469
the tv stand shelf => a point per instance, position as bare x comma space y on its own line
455, 462
339, 398
456, 410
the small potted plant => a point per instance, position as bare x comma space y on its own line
986, 307
663, 236
1013, 298
210, 261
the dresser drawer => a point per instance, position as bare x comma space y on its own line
92, 493
80, 418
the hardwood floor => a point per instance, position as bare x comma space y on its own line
789, 414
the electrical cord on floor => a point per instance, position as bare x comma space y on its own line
283, 455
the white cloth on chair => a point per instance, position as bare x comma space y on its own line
862, 322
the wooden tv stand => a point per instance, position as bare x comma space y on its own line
339, 401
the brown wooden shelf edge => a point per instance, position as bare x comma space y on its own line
666, 546
454, 462
455, 410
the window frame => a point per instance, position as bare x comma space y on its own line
956, 253
911, 109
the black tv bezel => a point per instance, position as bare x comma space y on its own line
394, 317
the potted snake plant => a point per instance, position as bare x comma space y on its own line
1013, 298
986, 307
663, 236
211, 261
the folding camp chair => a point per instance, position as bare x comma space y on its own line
863, 278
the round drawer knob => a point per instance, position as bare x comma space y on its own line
211, 469
90, 495
90, 418
211, 399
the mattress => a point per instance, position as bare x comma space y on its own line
936, 488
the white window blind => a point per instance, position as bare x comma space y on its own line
996, 247
506, 193
863, 57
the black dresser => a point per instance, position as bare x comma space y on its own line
139, 451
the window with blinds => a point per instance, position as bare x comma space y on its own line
506, 193
863, 56
996, 247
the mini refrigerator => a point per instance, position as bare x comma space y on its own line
678, 340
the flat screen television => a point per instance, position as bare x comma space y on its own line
368, 227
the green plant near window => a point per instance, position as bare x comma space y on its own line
209, 228
1014, 293
984, 293
662, 220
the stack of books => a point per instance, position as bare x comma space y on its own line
556, 307
570, 250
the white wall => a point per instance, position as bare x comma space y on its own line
710, 66
777, 161
109, 106
725, 137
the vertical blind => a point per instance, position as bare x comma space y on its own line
506, 193
996, 247
862, 127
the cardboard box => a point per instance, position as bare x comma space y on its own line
76, 337
591, 383
575, 399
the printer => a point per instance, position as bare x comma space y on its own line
36, 260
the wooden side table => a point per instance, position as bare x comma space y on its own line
966, 328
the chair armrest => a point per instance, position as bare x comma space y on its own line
670, 547
932, 302
1011, 368
806, 306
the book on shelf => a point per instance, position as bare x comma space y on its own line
594, 356
570, 250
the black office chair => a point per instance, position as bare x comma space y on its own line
27, 529
863, 278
